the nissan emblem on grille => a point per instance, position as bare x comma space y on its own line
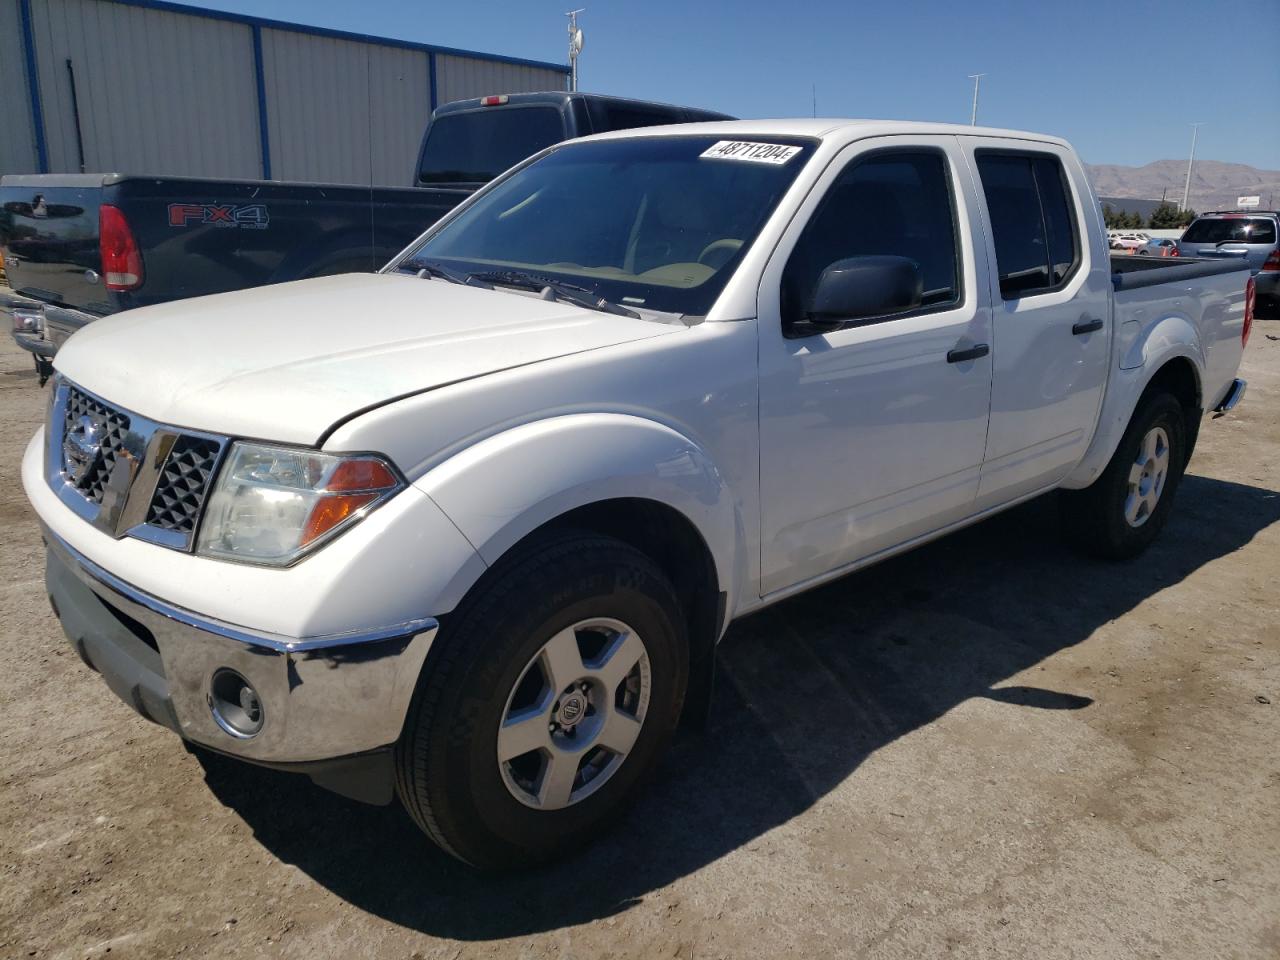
93, 438
82, 447
125, 474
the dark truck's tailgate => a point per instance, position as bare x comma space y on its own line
49, 233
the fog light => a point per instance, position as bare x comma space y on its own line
236, 706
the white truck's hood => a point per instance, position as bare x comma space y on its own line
286, 362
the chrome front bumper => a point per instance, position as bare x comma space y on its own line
322, 697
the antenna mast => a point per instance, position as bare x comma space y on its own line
575, 46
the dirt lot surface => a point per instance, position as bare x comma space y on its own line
987, 748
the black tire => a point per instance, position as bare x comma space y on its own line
1094, 518
447, 771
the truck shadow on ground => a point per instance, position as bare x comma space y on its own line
808, 689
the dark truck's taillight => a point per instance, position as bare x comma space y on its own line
1273, 262
121, 258
1250, 298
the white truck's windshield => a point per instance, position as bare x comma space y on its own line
652, 222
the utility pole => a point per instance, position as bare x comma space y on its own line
1186, 190
976, 78
575, 46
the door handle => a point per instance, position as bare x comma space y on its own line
969, 353
1087, 326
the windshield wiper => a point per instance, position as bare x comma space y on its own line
558, 290
431, 270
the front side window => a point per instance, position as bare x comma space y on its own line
1032, 222
648, 222
889, 204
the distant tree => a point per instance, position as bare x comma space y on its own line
1111, 218
1167, 217
1134, 221
1185, 217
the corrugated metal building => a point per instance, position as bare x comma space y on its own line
171, 90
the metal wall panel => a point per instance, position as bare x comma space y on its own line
17, 133
461, 78
339, 111
159, 92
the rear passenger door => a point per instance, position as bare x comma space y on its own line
1051, 320
872, 432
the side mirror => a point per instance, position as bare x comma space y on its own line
863, 287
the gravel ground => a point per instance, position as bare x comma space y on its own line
989, 747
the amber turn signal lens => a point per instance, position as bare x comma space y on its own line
331, 511
360, 475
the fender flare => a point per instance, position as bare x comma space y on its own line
506, 486
1141, 359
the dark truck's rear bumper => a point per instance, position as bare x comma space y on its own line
44, 327
323, 709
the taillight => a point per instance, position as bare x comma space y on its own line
493, 101
1250, 296
1273, 261
121, 258
1173, 252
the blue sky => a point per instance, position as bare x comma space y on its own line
1122, 80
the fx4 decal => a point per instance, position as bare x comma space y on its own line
251, 217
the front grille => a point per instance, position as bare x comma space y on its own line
112, 426
125, 474
183, 483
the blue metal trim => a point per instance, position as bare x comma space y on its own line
33, 85
431, 75
264, 131
263, 22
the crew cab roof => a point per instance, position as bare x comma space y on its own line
826, 128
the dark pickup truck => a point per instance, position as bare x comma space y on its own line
77, 247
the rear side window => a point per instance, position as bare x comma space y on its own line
892, 203
1232, 230
476, 146
1032, 222
626, 117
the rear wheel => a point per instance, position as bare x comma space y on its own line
550, 696
1127, 506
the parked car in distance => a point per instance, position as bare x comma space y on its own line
82, 246
1129, 241
1253, 237
468, 530
1159, 247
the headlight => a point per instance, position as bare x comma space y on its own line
273, 504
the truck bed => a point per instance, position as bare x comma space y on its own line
1130, 273
1203, 295
199, 236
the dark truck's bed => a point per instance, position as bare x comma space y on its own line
202, 236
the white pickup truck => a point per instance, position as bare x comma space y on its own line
467, 531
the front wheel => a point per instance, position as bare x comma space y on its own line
551, 695
1119, 515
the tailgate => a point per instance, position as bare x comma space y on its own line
49, 235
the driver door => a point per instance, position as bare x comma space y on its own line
872, 432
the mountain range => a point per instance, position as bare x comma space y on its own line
1215, 185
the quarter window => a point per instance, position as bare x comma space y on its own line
1032, 222
889, 204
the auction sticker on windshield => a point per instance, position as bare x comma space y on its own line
775, 153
